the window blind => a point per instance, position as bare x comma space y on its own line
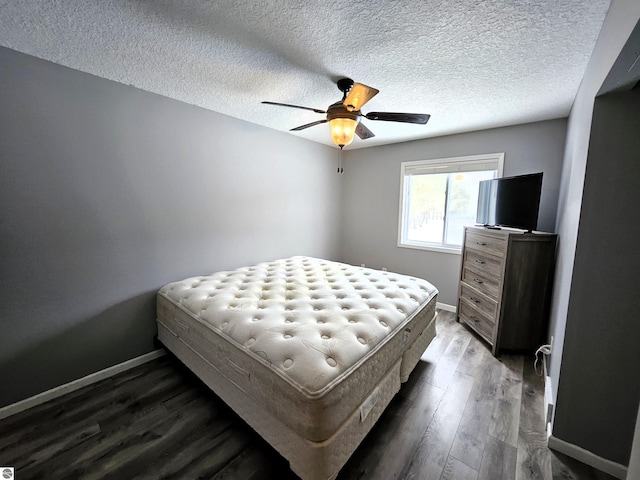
427, 168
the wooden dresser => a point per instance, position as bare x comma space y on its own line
505, 286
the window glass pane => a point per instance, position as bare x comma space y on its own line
462, 203
439, 197
426, 202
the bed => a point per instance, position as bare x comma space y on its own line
307, 351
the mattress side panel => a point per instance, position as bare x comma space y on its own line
412, 355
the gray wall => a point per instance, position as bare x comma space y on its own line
620, 21
599, 386
108, 192
372, 193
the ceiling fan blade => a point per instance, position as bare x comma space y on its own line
421, 118
363, 132
358, 96
312, 124
295, 106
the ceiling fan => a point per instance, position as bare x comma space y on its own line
344, 116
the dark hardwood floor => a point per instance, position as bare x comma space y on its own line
463, 415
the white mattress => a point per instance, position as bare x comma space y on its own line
308, 340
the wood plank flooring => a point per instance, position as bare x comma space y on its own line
463, 415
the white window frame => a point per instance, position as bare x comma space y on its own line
439, 165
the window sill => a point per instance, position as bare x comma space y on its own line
432, 247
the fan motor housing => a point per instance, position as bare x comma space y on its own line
338, 110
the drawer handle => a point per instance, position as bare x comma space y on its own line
474, 318
477, 280
474, 300
481, 262
483, 244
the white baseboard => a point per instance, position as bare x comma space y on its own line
548, 404
588, 458
549, 408
446, 307
60, 390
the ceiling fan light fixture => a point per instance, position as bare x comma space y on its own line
343, 130
344, 116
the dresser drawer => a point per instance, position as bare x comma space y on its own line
483, 263
487, 284
481, 301
477, 320
486, 243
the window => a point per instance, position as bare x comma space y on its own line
439, 197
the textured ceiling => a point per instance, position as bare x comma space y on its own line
471, 64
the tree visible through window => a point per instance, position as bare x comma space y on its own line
439, 197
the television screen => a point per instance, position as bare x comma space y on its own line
510, 201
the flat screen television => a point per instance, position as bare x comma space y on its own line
510, 202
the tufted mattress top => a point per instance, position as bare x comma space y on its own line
300, 326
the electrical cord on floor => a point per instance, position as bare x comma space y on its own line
543, 350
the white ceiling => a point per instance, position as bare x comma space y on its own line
471, 64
